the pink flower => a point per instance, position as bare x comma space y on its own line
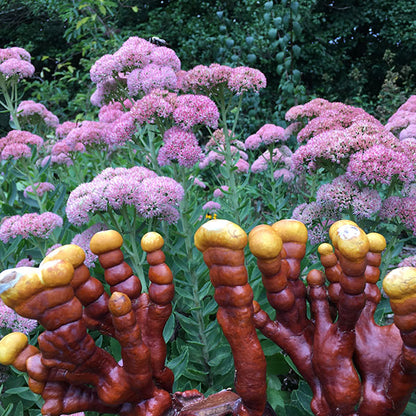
199, 183
337, 194
88, 133
122, 130
17, 67
163, 56
159, 103
110, 112
15, 151
26, 262
246, 79
212, 206
380, 164
181, 146
311, 109
15, 137
402, 208
34, 113
286, 175
262, 163
219, 192
14, 52
104, 69
151, 195
11, 320
195, 109
197, 79
63, 129
134, 53
220, 74
151, 77
408, 262
37, 225
39, 188
242, 166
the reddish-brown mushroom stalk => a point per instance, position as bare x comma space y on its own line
222, 244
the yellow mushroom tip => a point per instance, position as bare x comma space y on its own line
105, 241
220, 233
334, 227
377, 242
10, 277
291, 230
351, 241
325, 249
69, 252
11, 346
264, 242
400, 283
56, 273
152, 241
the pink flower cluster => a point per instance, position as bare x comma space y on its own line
26, 225
32, 114
16, 144
138, 64
261, 164
186, 110
328, 116
159, 103
39, 188
219, 192
338, 145
317, 220
15, 62
11, 320
179, 146
153, 196
403, 209
238, 80
195, 109
403, 118
212, 206
341, 194
408, 262
110, 112
380, 164
266, 135
83, 240
62, 130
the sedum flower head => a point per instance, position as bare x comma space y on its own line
32, 114
39, 188
179, 146
380, 164
151, 195
195, 109
26, 225
243, 79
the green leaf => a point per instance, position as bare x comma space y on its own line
135, 9
179, 364
169, 328
82, 22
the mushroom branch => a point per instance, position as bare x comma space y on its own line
69, 370
353, 366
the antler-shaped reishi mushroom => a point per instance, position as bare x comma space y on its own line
353, 366
222, 244
68, 360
